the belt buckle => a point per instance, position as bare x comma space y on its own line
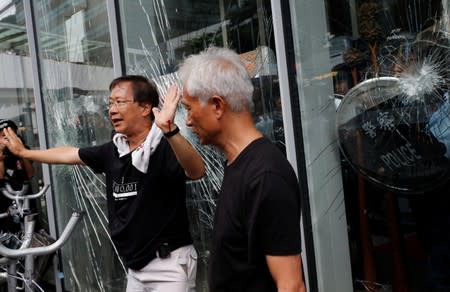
163, 251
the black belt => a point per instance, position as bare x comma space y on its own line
163, 251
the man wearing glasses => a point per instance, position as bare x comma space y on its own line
146, 166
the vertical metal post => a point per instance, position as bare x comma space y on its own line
261, 23
223, 23
115, 34
445, 17
283, 78
29, 273
40, 113
354, 18
281, 23
12, 272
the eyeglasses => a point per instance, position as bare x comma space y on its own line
118, 103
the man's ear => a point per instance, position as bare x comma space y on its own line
218, 104
146, 109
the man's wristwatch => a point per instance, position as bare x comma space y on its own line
172, 133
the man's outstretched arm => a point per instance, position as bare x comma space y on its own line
58, 155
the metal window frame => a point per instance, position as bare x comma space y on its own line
287, 75
116, 37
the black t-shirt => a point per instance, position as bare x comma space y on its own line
144, 210
258, 214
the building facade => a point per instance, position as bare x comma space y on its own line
354, 92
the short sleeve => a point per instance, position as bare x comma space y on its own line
277, 218
94, 157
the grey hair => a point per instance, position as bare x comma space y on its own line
218, 71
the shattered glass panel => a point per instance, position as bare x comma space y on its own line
159, 34
17, 104
16, 84
374, 92
398, 109
75, 70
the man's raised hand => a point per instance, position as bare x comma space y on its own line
164, 117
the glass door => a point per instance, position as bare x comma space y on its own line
373, 88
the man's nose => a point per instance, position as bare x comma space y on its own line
188, 122
112, 109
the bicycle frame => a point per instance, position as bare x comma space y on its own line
11, 256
